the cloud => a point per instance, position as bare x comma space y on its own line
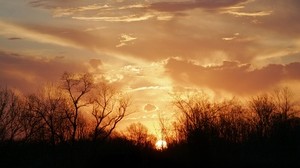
59, 12
127, 11
95, 28
95, 63
232, 76
27, 73
150, 107
284, 18
188, 5
65, 37
125, 38
253, 14
231, 38
155, 88
128, 18
50, 4
189, 38
163, 33
36, 33
14, 38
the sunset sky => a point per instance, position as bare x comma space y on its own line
150, 48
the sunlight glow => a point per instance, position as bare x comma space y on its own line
161, 144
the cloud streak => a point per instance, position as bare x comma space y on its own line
252, 14
65, 37
232, 76
125, 38
28, 73
128, 18
189, 5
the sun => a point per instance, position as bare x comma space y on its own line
161, 144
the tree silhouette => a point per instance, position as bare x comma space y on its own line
109, 108
10, 107
198, 115
234, 121
77, 87
138, 134
51, 107
284, 103
32, 123
264, 107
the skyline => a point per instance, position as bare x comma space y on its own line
153, 47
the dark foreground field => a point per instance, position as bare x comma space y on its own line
123, 153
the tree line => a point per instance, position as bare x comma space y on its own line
56, 113
263, 129
263, 116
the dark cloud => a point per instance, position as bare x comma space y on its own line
285, 18
95, 63
188, 5
232, 76
149, 107
14, 38
49, 4
27, 73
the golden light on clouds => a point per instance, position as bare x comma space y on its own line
128, 18
9, 29
125, 39
153, 48
253, 14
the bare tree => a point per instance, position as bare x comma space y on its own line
199, 122
32, 124
199, 114
284, 103
234, 121
51, 109
264, 107
109, 108
138, 134
10, 111
77, 87
83, 127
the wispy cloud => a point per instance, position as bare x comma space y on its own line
189, 4
128, 18
65, 37
59, 12
14, 38
95, 28
125, 38
231, 38
252, 14
150, 88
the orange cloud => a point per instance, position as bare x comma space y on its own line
28, 73
150, 107
188, 5
253, 14
128, 18
232, 76
95, 63
168, 28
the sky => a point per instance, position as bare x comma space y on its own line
151, 48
